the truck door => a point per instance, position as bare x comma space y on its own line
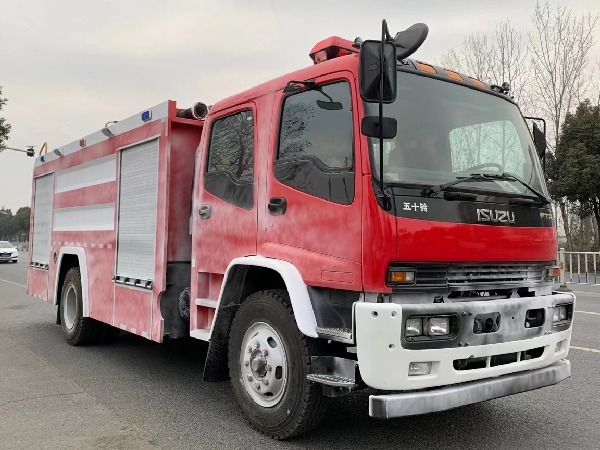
225, 214
313, 215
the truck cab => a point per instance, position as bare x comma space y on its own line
449, 284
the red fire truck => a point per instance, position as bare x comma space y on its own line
368, 221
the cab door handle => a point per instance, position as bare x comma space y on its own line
205, 212
277, 206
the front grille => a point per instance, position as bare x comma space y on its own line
503, 274
463, 276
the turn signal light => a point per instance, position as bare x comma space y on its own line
402, 276
553, 272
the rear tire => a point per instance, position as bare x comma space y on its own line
78, 330
271, 387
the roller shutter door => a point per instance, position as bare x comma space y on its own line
42, 219
136, 239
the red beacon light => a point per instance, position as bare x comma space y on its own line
332, 47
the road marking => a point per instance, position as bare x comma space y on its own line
593, 350
16, 284
586, 293
588, 312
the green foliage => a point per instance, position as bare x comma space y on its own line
576, 169
15, 227
4, 127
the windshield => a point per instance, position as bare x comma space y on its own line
446, 131
4, 244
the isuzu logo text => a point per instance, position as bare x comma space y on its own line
495, 215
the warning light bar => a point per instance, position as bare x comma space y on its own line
330, 48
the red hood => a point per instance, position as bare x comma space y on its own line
423, 240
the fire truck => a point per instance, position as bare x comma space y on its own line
371, 220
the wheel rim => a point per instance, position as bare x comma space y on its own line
70, 308
263, 365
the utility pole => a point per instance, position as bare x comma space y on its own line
29, 150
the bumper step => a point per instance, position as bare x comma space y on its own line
424, 402
335, 334
331, 380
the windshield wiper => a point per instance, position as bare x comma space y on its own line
442, 187
510, 177
475, 177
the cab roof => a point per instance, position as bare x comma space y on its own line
335, 54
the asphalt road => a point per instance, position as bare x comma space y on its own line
137, 394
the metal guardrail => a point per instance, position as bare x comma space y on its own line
579, 267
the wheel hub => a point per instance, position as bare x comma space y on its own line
258, 363
263, 364
70, 308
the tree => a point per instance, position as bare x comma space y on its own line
510, 61
4, 126
6, 224
576, 166
560, 45
14, 227
493, 58
21, 221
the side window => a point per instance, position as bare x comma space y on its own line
230, 168
316, 143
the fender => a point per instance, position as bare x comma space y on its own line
80, 253
301, 305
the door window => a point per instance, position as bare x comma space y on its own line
316, 143
230, 169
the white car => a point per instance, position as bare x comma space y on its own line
8, 252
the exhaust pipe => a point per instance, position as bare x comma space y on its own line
197, 112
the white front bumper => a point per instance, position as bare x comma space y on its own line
434, 400
383, 362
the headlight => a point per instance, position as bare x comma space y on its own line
438, 326
431, 327
560, 313
414, 327
15, 253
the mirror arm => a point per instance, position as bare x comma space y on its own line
385, 35
537, 118
294, 86
544, 164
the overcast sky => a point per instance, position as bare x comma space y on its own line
69, 66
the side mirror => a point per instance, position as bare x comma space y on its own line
369, 72
409, 40
370, 125
539, 139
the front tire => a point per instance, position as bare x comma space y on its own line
269, 359
78, 330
